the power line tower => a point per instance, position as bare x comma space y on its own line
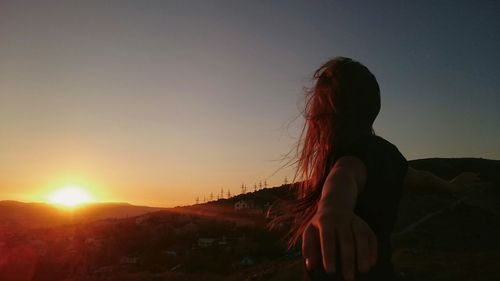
228, 193
221, 192
260, 185
211, 196
254, 187
285, 182
243, 188
265, 183
197, 200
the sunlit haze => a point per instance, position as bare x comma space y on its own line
70, 196
159, 102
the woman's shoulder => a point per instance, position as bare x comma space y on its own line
380, 142
382, 149
367, 147
384, 158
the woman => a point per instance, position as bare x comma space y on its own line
348, 205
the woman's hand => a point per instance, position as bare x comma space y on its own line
464, 181
339, 240
424, 181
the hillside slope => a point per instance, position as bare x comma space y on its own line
37, 215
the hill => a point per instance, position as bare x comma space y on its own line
37, 215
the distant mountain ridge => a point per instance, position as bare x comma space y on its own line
38, 215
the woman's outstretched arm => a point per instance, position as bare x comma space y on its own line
335, 235
423, 181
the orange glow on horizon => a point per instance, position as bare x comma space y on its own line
70, 196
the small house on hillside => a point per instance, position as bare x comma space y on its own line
142, 220
243, 205
129, 260
188, 228
246, 261
93, 242
206, 242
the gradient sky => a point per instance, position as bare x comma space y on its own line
157, 102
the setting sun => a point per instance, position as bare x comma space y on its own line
70, 196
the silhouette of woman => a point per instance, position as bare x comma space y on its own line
348, 202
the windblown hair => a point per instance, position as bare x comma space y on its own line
340, 107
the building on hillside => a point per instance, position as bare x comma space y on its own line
246, 261
94, 242
206, 242
142, 220
103, 270
170, 253
129, 260
223, 241
243, 205
188, 228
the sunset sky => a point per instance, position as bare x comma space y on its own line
158, 102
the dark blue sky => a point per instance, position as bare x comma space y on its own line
157, 102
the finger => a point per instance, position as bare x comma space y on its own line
327, 238
347, 252
373, 246
311, 248
362, 247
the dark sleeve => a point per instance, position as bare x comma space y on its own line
386, 167
401, 165
363, 149
387, 174
396, 164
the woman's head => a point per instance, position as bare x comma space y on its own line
345, 95
341, 106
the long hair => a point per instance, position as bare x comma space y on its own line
340, 107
